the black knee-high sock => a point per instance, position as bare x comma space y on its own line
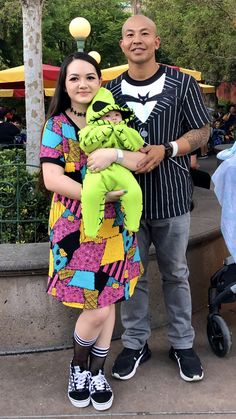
97, 359
82, 350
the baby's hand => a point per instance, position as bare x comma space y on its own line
101, 158
114, 196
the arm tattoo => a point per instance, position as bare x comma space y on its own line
197, 137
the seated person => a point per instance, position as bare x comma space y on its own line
229, 118
200, 178
217, 134
229, 137
8, 131
107, 129
21, 138
218, 114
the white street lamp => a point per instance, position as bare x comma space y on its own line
80, 29
95, 55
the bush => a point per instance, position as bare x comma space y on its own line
24, 207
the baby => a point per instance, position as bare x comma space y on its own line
107, 128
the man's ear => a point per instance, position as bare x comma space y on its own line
121, 43
158, 42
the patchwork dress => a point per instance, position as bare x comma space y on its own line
84, 272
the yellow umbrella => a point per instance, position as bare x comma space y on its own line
16, 75
12, 75
6, 92
207, 88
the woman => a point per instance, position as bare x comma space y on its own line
91, 274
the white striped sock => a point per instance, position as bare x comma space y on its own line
100, 352
83, 342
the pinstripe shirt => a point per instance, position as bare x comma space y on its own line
166, 106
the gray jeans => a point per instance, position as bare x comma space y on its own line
170, 238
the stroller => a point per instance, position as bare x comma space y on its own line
222, 290
223, 282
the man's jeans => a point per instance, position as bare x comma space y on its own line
170, 238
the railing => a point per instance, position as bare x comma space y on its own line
23, 206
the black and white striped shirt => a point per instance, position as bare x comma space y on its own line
166, 106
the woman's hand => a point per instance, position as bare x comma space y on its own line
101, 159
114, 196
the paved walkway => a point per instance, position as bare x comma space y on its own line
35, 385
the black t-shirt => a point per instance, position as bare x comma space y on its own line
7, 133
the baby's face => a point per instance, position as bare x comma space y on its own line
112, 116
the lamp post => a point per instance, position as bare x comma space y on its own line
80, 29
96, 56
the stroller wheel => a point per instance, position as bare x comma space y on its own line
218, 334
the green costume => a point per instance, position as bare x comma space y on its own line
104, 134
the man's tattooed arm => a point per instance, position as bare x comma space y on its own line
196, 138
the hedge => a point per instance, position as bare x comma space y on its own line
24, 206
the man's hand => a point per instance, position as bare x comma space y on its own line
154, 154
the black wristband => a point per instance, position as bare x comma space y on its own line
168, 150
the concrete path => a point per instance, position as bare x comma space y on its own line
34, 386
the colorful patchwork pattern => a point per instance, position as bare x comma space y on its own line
85, 273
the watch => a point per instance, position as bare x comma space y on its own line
168, 150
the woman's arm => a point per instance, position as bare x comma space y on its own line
104, 157
55, 180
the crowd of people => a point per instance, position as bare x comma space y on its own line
223, 126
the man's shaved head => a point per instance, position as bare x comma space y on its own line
140, 20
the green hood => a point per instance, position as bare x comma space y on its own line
104, 102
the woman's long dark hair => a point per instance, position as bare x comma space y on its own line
61, 101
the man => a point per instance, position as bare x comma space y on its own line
173, 121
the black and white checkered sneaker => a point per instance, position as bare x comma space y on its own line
78, 387
100, 392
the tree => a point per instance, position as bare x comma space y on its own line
11, 45
106, 26
199, 34
34, 93
106, 18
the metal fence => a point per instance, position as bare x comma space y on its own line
23, 206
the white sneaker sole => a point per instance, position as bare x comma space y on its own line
102, 406
131, 374
79, 403
188, 379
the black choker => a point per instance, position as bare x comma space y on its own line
78, 113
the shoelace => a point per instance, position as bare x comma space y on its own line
99, 383
80, 378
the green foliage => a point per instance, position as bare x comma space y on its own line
24, 208
11, 36
105, 16
198, 34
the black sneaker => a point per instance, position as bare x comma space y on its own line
189, 364
128, 360
78, 388
100, 392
